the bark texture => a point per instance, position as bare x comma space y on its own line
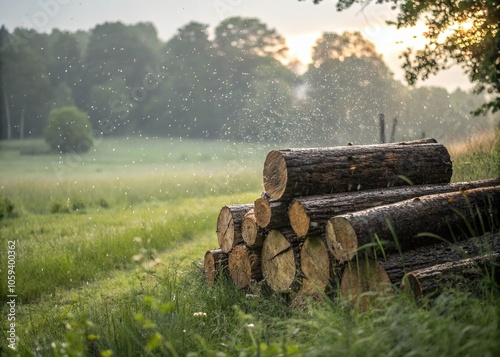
252, 234
309, 214
416, 222
462, 273
271, 214
305, 172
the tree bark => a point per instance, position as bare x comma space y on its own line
229, 225
415, 222
244, 266
397, 265
215, 264
364, 279
271, 214
252, 234
281, 261
308, 215
305, 172
432, 280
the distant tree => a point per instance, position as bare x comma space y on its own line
69, 130
349, 85
466, 32
25, 83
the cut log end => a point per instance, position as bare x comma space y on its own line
341, 238
215, 262
363, 282
262, 212
315, 263
244, 265
299, 219
278, 262
249, 230
225, 229
411, 286
275, 175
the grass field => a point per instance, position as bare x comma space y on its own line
109, 251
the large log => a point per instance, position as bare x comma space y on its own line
229, 225
411, 223
430, 281
215, 264
305, 172
309, 214
252, 234
271, 215
281, 261
244, 266
363, 279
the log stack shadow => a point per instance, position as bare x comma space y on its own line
357, 221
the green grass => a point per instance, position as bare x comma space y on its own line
109, 258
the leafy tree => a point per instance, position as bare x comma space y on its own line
349, 85
69, 130
466, 32
25, 82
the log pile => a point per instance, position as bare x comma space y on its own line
352, 221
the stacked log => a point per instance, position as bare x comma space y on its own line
356, 220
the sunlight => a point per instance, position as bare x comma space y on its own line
300, 46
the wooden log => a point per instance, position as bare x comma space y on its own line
306, 172
432, 280
397, 265
281, 261
229, 225
244, 265
411, 223
309, 214
362, 282
271, 215
315, 266
252, 234
215, 264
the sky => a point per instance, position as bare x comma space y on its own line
300, 22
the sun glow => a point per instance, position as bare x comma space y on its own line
301, 46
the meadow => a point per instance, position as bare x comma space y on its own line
109, 249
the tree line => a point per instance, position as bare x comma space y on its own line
238, 84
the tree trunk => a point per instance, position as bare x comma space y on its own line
397, 265
215, 264
460, 274
363, 279
229, 225
244, 266
308, 215
305, 172
252, 234
271, 214
7, 115
415, 222
280, 261
21, 126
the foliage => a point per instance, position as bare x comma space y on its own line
6, 208
466, 32
69, 130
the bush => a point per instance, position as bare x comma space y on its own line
69, 130
6, 208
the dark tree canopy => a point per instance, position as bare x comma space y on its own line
466, 32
